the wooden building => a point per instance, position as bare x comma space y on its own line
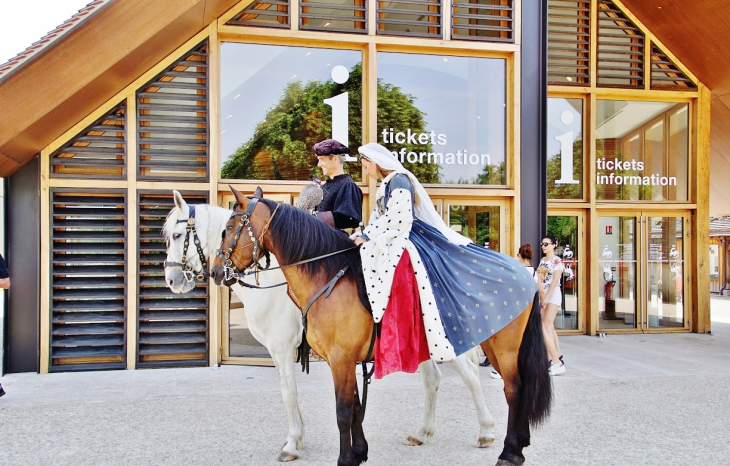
480, 98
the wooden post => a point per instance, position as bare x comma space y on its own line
700, 231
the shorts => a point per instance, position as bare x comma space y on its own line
555, 298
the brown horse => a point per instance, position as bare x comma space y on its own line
340, 325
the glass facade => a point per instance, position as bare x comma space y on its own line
444, 116
641, 151
278, 101
565, 148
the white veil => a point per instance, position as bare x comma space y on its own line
425, 210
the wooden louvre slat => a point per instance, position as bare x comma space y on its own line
173, 120
264, 13
416, 18
88, 283
334, 15
569, 42
621, 44
172, 328
99, 151
665, 74
483, 20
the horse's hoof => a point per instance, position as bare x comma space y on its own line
412, 442
502, 462
285, 457
484, 442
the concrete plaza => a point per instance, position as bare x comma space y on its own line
625, 399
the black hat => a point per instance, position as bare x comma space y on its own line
330, 147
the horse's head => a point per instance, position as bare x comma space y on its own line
186, 238
240, 244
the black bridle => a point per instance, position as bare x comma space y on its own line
229, 268
189, 273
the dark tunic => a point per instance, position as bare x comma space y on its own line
342, 197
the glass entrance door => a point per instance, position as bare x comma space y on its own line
238, 344
641, 262
567, 227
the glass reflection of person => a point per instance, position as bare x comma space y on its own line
341, 205
549, 272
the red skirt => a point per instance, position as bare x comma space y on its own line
402, 345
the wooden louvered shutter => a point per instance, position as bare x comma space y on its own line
665, 74
88, 287
173, 328
620, 49
264, 13
99, 151
485, 20
334, 15
173, 121
569, 42
417, 18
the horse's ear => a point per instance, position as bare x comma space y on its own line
179, 201
240, 198
258, 193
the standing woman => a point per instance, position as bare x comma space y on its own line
549, 272
524, 255
460, 293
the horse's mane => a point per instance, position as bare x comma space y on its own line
298, 236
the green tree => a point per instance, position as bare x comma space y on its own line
566, 191
281, 146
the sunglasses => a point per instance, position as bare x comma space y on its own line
546, 244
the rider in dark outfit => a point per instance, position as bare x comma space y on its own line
341, 205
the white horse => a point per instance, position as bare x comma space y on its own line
277, 324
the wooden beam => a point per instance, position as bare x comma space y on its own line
700, 241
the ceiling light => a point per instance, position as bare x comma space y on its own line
569, 78
326, 24
239, 95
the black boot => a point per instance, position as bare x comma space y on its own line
485, 363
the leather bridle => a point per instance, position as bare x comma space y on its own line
231, 272
189, 273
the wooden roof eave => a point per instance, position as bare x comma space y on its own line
87, 66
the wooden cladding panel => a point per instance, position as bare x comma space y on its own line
416, 18
172, 114
268, 13
99, 151
334, 15
484, 20
665, 74
172, 328
620, 50
88, 284
569, 33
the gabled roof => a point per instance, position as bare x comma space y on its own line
76, 68
46, 41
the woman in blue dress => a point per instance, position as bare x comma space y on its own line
466, 292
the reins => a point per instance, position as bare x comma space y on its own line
231, 271
189, 273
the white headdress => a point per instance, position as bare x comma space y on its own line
424, 209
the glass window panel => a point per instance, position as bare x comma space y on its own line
565, 228
444, 116
273, 109
565, 148
665, 308
641, 150
479, 223
617, 269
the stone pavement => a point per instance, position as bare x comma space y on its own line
625, 399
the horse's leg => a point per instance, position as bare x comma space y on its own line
359, 444
345, 392
469, 373
431, 380
519, 350
284, 360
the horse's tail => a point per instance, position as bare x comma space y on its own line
536, 390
